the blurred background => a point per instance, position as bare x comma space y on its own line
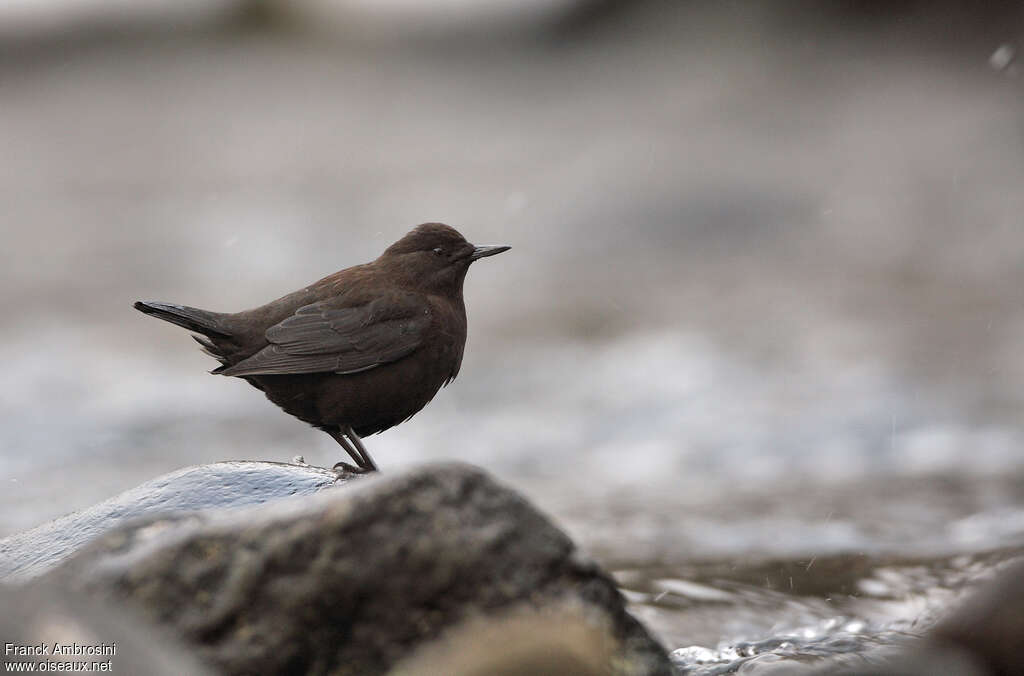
764, 305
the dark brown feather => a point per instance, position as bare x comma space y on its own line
317, 339
360, 350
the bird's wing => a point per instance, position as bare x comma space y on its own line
322, 339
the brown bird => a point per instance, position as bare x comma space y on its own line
358, 351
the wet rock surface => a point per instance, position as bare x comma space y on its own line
218, 485
353, 581
980, 637
989, 626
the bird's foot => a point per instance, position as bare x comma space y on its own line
352, 469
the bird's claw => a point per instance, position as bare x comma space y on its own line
352, 469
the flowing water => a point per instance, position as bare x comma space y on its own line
756, 345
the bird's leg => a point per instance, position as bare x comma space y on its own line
353, 445
339, 436
368, 463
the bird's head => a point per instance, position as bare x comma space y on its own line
434, 257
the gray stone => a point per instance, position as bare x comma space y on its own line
224, 484
981, 637
81, 629
353, 581
919, 660
521, 642
989, 625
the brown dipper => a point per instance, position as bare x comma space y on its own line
358, 351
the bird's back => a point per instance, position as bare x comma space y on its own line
248, 328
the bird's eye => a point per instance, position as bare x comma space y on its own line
438, 251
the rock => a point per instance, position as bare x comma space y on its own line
354, 581
532, 642
77, 626
224, 484
989, 626
917, 661
982, 637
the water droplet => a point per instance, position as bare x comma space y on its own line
1002, 57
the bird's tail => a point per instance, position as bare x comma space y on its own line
201, 321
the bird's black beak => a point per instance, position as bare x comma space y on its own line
485, 251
